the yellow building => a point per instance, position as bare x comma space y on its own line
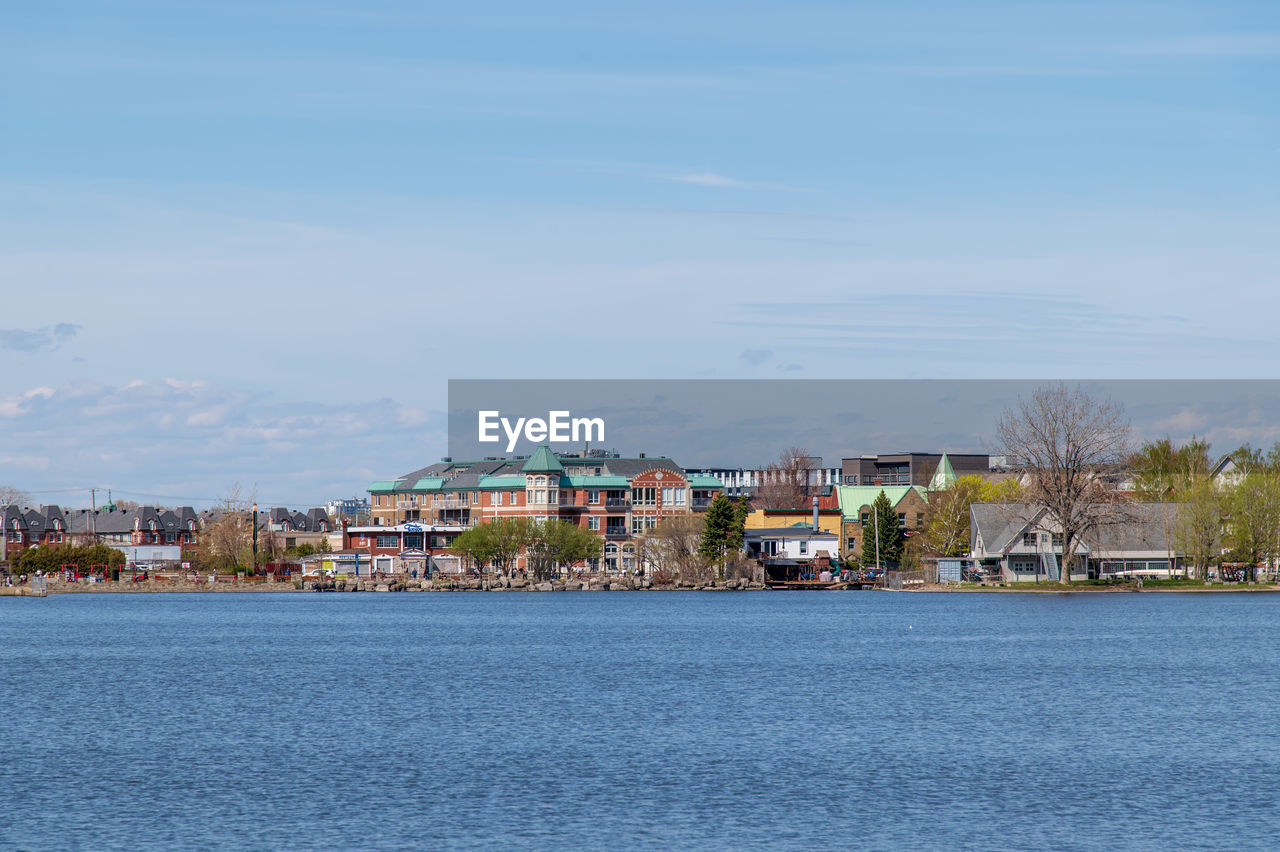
829, 520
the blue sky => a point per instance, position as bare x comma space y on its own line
251, 241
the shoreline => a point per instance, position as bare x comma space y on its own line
626, 585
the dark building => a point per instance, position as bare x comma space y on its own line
908, 468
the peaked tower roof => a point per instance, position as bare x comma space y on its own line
944, 477
543, 461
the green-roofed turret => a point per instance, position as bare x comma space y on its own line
944, 477
543, 461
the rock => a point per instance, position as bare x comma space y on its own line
382, 587
647, 584
543, 587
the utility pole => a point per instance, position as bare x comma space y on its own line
93, 516
875, 513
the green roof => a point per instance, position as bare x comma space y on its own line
543, 461
701, 480
501, 483
594, 482
945, 477
429, 483
383, 485
854, 497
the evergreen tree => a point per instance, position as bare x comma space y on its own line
891, 539
716, 532
741, 508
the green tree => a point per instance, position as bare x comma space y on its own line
52, 558
1254, 525
882, 526
555, 543
1197, 525
717, 529
737, 530
946, 526
1162, 471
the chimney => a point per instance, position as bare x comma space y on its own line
642, 455
815, 514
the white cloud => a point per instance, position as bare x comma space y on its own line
144, 434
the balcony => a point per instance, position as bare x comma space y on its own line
616, 532
700, 502
617, 502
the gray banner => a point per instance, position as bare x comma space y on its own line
743, 423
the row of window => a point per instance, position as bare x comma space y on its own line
866, 519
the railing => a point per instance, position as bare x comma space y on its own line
616, 532
617, 502
701, 502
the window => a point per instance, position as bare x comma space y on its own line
902, 518
637, 525
919, 519
866, 518
1029, 539
387, 541
804, 547
496, 499
593, 496
553, 497
1057, 539
680, 496
593, 524
413, 540
644, 496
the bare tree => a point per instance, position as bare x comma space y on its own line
785, 482
12, 495
672, 549
1066, 441
227, 538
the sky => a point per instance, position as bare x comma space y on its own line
251, 242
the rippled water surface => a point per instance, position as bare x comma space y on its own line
640, 720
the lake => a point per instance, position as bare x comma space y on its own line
763, 720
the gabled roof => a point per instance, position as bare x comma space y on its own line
543, 461
854, 497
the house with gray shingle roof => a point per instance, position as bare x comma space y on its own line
1024, 544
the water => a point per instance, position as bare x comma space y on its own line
642, 720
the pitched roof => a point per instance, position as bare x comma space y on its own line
1136, 527
854, 497
543, 461
944, 477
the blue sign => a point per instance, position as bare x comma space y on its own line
413, 528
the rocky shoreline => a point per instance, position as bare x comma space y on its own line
470, 584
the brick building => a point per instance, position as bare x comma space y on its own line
618, 498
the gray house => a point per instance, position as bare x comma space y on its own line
1022, 543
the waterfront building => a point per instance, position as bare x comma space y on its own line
618, 498
1022, 543
909, 502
